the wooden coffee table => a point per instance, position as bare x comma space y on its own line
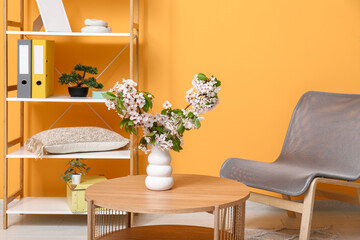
191, 193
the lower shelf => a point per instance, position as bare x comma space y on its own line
41, 205
164, 232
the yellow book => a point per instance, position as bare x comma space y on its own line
42, 68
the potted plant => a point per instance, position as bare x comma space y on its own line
79, 80
74, 171
163, 131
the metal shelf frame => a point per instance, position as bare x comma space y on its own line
133, 36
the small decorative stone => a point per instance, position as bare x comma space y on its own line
95, 22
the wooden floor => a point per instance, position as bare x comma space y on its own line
343, 219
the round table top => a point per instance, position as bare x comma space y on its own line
190, 193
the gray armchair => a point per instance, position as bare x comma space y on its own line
322, 145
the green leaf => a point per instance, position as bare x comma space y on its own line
147, 93
124, 122
109, 95
176, 145
190, 115
87, 69
118, 110
177, 140
131, 123
218, 83
151, 134
120, 103
164, 111
160, 129
133, 130
143, 141
179, 127
202, 76
146, 106
148, 101
197, 123
152, 140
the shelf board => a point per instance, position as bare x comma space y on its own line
118, 154
74, 34
57, 98
41, 205
44, 205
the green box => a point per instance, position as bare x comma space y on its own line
75, 194
98, 94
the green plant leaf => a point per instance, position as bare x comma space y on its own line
197, 123
160, 129
133, 130
164, 111
179, 127
147, 93
151, 134
218, 83
143, 141
202, 76
152, 140
109, 95
148, 101
124, 122
146, 106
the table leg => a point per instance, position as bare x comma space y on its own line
216, 222
130, 220
91, 220
241, 218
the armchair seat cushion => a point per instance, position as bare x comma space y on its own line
279, 177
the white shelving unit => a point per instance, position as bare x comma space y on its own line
68, 34
118, 154
60, 98
16, 203
41, 205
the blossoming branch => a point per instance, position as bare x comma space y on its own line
165, 129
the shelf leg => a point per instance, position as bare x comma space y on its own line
5, 216
5, 205
22, 144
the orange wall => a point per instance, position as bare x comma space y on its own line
267, 54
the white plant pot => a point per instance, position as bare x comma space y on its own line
75, 179
159, 170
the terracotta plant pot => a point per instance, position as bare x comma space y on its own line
78, 91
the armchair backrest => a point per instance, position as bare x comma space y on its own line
324, 134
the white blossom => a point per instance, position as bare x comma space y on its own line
202, 97
167, 104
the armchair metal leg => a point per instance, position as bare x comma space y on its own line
307, 212
290, 214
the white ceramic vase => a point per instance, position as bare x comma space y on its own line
75, 179
159, 170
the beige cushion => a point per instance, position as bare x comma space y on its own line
75, 139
